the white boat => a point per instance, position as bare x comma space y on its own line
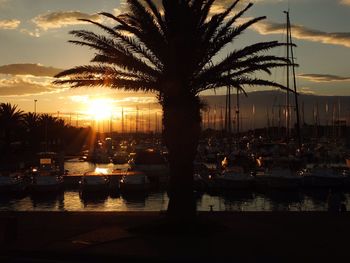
322, 176
152, 163
234, 178
46, 184
94, 183
11, 184
46, 177
120, 157
134, 181
278, 178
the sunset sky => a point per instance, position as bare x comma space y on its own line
34, 35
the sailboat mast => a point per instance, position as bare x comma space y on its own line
237, 112
290, 43
287, 94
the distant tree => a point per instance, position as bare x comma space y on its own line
173, 52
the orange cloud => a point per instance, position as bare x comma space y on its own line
62, 18
13, 86
9, 24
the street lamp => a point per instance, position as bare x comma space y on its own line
35, 105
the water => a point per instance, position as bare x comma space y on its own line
71, 200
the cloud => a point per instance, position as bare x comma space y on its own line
9, 24
26, 85
304, 33
306, 90
33, 33
323, 77
62, 18
29, 69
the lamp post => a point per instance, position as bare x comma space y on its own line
35, 105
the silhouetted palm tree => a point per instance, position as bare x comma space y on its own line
173, 52
10, 121
10, 125
31, 126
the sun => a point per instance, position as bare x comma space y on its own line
100, 109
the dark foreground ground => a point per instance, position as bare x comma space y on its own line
150, 237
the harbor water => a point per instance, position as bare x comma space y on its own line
72, 200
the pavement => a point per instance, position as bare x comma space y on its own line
152, 237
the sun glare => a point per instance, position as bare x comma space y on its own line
100, 109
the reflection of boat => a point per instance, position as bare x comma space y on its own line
134, 181
47, 176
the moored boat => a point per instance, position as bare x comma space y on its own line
94, 184
12, 183
134, 181
47, 177
278, 178
322, 177
234, 179
46, 184
152, 163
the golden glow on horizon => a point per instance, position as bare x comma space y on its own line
100, 108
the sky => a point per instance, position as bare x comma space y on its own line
34, 47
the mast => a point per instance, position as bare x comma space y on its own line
122, 120
237, 112
149, 117
228, 111
287, 93
290, 43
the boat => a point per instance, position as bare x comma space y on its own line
47, 177
94, 182
13, 183
120, 157
46, 184
99, 154
322, 176
134, 181
278, 178
234, 178
152, 163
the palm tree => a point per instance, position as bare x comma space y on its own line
31, 125
10, 121
173, 52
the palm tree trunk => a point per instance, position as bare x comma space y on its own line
181, 134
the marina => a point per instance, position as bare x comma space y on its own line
232, 191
